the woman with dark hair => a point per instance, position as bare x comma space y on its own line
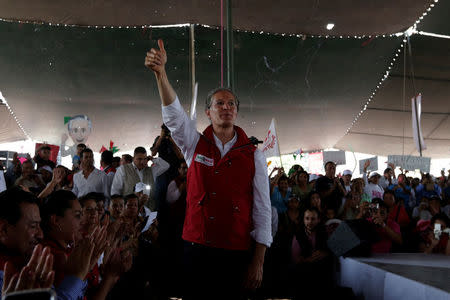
61, 222
59, 182
280, 192
314, 200
302, 188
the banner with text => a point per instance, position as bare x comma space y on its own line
372, 167
338, 157
411, 163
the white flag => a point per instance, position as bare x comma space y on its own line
417, 128
271, 146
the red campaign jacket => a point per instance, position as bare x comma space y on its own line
220, 194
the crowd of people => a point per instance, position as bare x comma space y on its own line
200, 209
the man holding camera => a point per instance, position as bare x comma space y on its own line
228, 214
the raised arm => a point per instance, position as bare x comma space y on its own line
156, 61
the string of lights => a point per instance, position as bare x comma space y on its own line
11, 112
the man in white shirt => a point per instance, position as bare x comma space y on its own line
89, 179
128, 175
217, 255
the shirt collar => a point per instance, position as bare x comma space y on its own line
230, 143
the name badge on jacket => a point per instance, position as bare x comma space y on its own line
204, 160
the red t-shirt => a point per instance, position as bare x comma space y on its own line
400, 217
385, 243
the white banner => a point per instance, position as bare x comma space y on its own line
271, 146
372, 167
338, 157
411, 163
417, 132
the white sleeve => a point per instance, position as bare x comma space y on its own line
106, 186
117, 184
262, 210
182, 129
159, 166
365, 178
173, 193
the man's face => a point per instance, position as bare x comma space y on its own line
223, 110
389, 199
330, 170
375, 179
100, 208
116, 207
79, 131
87, 160
347, 179
311, 220
283, 185
26, 233
131, 208
90, 213
140, 160
123, 161
70, 223
45, 154
27, 169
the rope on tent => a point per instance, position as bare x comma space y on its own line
404, 97
221, 43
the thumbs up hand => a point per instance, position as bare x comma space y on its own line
156, 59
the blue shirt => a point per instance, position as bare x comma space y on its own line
277, 200
422, 192
401, 194
71, 288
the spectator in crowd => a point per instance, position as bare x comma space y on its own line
76, 159
116, 207
14, 171
89, 179
330, 188
90, 220
106, 162
142, 192
314, 200
350, 209
46, 174
29, 179
347, 180
20, 233
427, 188
311, 259
388, 177
302, 188
436, 242
58, 182
42, 157
126, 159
396, 210
372, 188
280, 191
115, 162
176, 198
138, 171
388, 230
165, 147
422, 211
402, 191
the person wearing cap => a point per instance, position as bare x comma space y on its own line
228, 214
42, 157
46, 173
372, 188
143, 192
128, 175
347, 179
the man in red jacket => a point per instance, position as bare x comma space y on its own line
228, 214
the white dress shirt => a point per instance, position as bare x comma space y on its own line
186, 136
97, 182
158, 167
173, 193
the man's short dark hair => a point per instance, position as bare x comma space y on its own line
86, 150
116, 196
130, 196
92, 196
116, 159
282, 177
329, 162
442, 217
140, 150
81, 146
57, 204
387, 170
380, 202
217, 90
10, 201
45, 147
107, 157
312, 209
128, 158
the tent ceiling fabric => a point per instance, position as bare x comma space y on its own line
369, 17
9, 130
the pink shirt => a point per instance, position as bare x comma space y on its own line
385, 243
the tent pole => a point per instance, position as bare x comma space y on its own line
192, 57
230, 48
